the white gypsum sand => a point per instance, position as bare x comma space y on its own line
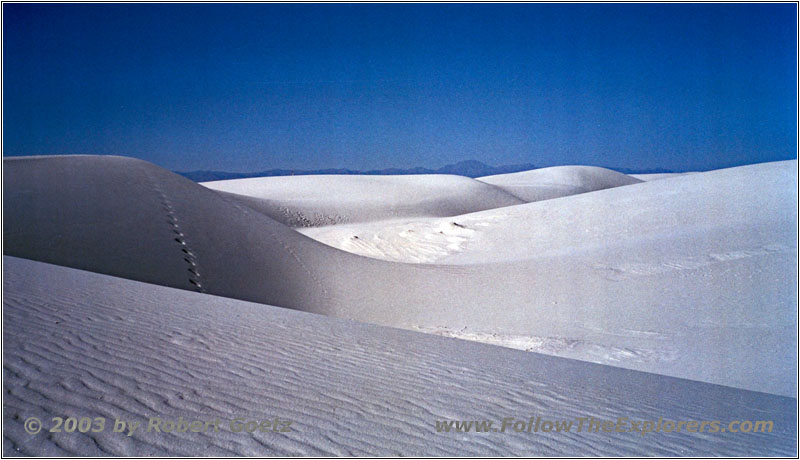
657, 176
554, 182
703, 264
691, 276
88, 345
310, 201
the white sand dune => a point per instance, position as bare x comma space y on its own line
310, 201
694, 261
755, 203
548, 183
87, 345
691, 277
657, 176
129, 218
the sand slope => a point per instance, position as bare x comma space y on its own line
691, 277
547, 183
310, 201
89, 345
129, 218
699, 262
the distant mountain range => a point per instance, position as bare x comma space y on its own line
468, 168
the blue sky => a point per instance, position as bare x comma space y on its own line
251, 87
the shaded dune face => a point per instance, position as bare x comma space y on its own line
129, 218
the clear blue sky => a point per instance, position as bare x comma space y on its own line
252, 87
